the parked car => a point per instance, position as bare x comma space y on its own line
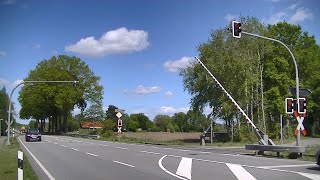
33, 134
318, 157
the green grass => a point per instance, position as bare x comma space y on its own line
9, 162
309, 154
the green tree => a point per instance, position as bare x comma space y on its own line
56, 101
143, 121
163, 123
111, 113
181, 121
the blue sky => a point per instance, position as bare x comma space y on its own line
136, 47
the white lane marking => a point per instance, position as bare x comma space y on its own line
284, 166
165, 170
204, 152
92, 154
63, 145
55, 143
185, 150
124, 164
167, 148
75, 149
38, 162
121, 148
310, 176
184, 168
240, 172
149, 152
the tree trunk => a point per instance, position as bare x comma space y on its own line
49, 125
64, 127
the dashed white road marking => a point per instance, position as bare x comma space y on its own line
184, 150
121, 148
240, 172
284, 166
124, 164
184, 168
75, 149
63, 145
149, 152
91, 154
204, 152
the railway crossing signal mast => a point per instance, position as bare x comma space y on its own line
258, 133
236, 32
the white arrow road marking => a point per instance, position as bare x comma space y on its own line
240, 172
184, 168
165, 170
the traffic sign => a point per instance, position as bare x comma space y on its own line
119, 130
119, 123
119, 115
300, 126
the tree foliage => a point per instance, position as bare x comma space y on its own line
257, 73
55, 101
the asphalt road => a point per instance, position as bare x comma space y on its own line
58, 157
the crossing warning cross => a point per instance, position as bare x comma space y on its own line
300, 125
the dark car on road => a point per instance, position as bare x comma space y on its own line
33, 134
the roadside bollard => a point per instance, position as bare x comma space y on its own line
20, 165
202, 140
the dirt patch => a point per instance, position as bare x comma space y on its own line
164, 136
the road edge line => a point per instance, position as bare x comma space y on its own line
38, 162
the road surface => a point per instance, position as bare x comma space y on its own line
59, 157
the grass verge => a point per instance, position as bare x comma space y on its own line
9, 162
309, 154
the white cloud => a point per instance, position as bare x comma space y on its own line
168, 93
171, 110
54, 52
9, 2
9, 85
117, 41
292, 14
36, 46
16, 82
2, 54
293, 6
141, 90
230, 17
275, 0
300, 15
175, 65
277, 17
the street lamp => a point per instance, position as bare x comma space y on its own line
25, 82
